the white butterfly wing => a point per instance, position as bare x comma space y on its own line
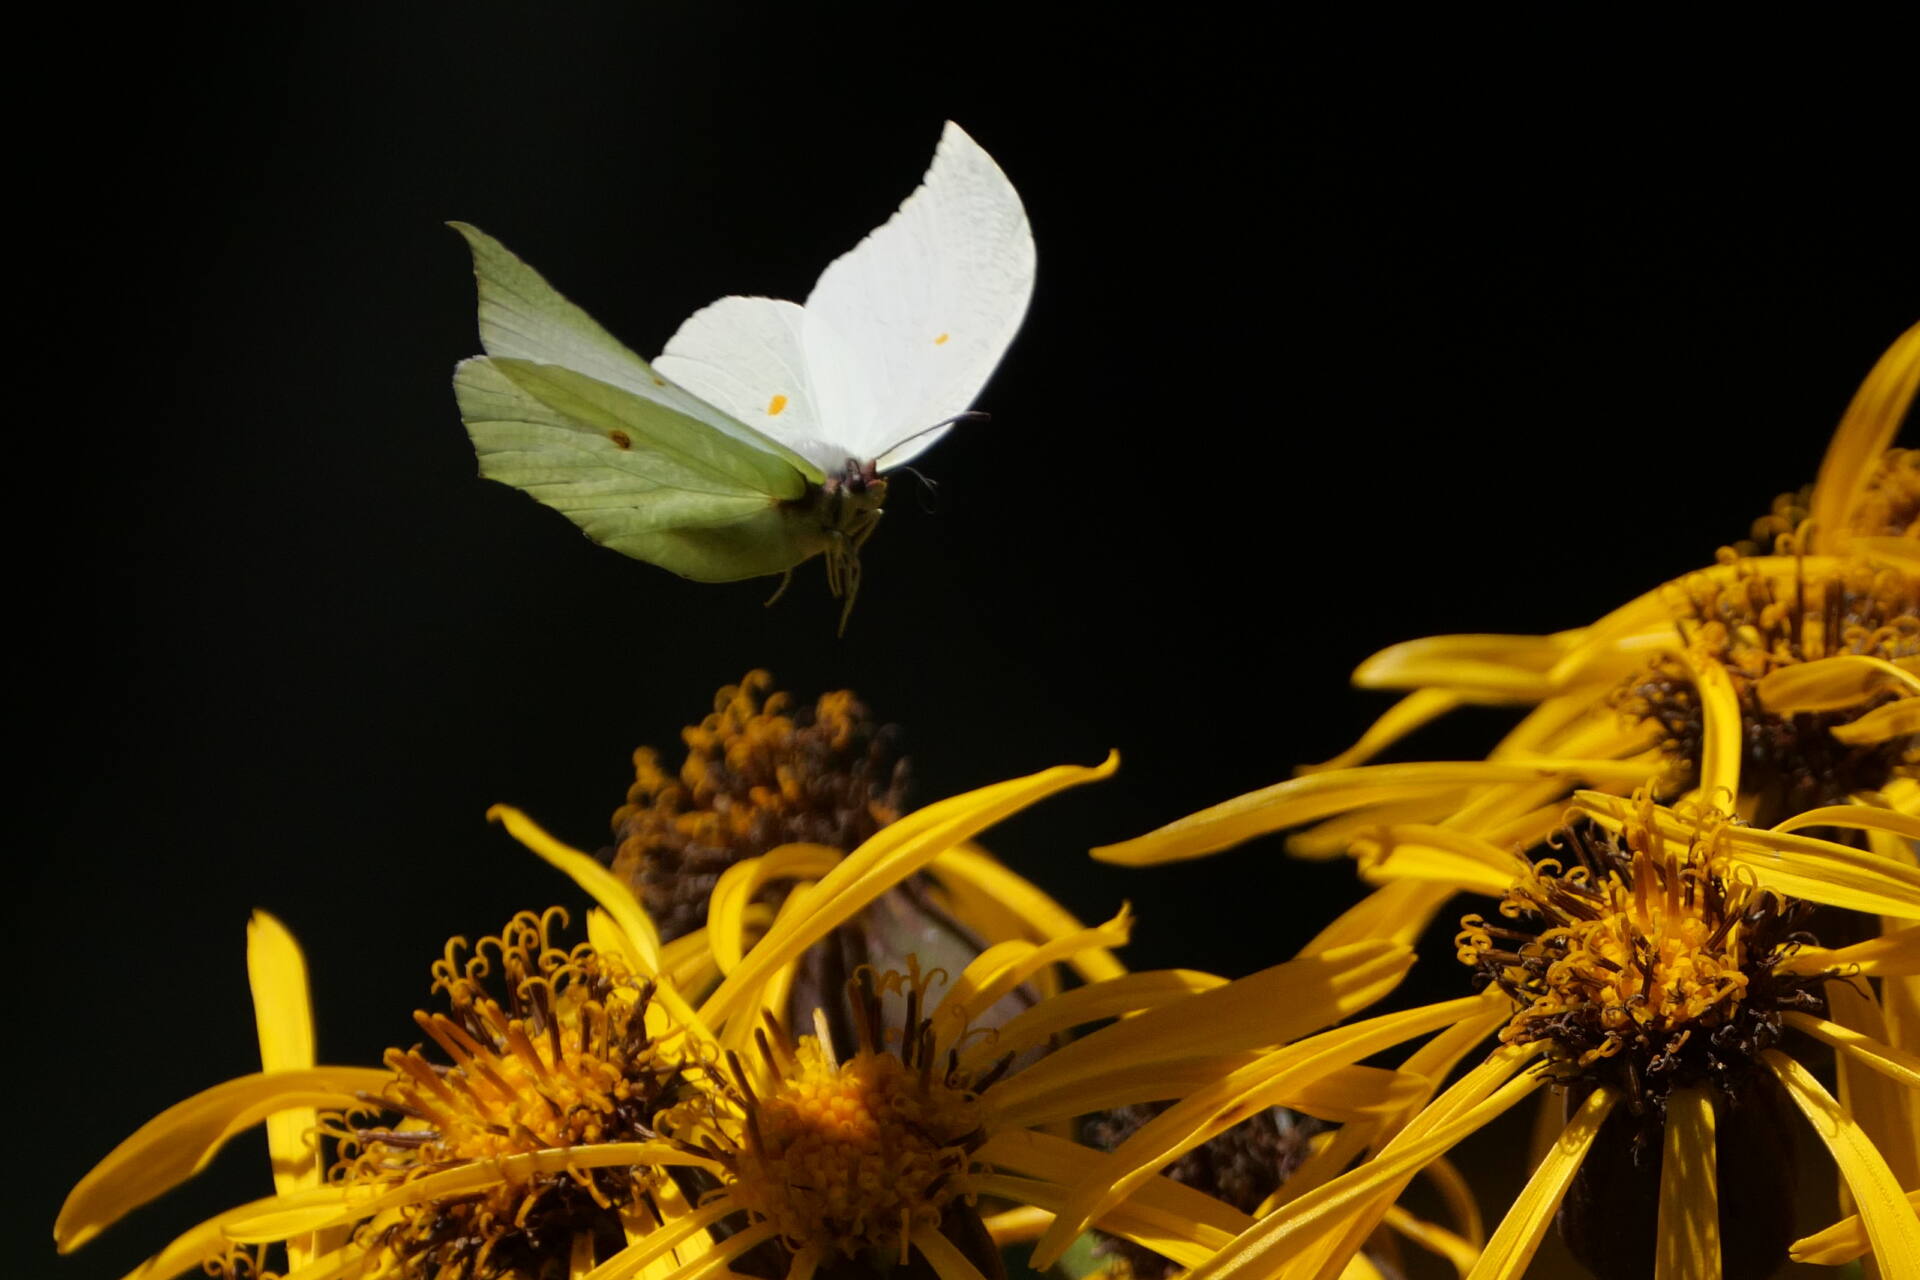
745, 356
905, 330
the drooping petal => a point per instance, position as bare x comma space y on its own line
1687, 1241
1891, 1224
1444, 856
1860, 817
178, 1143
1434, 1238
1520, 1232
1483, 668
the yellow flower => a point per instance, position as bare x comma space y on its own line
1767, 683
592, 1118
1659, 972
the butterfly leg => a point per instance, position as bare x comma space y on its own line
786, 580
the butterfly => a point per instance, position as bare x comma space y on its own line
761, 436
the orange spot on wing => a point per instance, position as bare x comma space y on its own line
942, 338
775, 405
621, 440
659, 382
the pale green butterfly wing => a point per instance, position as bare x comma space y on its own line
523, 317
636, 475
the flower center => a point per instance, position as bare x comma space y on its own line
758, 773
567, 1061
1757, 624
1651, 970
846, 1157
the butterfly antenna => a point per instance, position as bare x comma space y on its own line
929, 493
971, 415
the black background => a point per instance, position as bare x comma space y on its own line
1323, 356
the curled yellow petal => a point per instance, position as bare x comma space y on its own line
1720, 742
1482, 668
1519, 1233
1865, 432
178, 1143
1840, 1243
642, 939
1832, 684
1046, 918
1309, 798
1270, 1007
1418, 709
1129, 993
733, 893
1882, 724
1892, 1227
889, 856
1687, 1242
1895, 953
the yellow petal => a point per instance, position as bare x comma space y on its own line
661, 1241
1888, 1110
1019, 1225
1207, 1112
1453, 1189
895, 852
1794, 865
1688, 1237
734, 891
1417, 709
1887, 1060
1891, 1224
1396, 912
1445, 856
1306, 799
1882, 724
277, 974
322, 1207
1840, 1243
1434, 1238
1895, 953
1266, 1008
1860, 817
1131, 993
1720, 743
1045, 917
1001, 968
178, 1143
1519, 1233
948, 1262
1483, 667
1865, 432
642, 949
1831, 684
1285, 1233
1174, 1236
